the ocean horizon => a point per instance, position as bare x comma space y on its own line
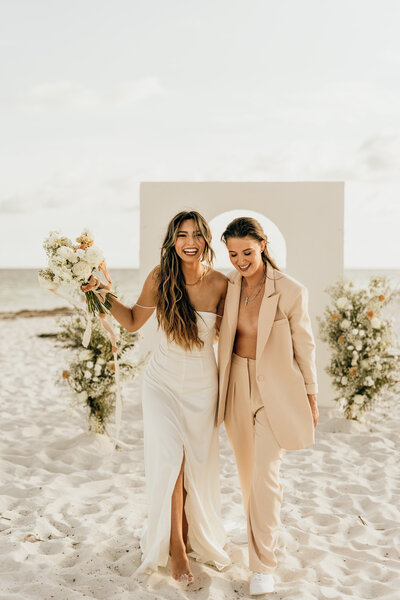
20, 290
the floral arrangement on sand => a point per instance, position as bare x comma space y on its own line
364, 360
91, 371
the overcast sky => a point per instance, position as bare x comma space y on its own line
97, 96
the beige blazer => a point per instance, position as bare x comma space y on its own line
285, 356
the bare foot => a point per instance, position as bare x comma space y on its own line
180, 565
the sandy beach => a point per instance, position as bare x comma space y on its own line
71, 507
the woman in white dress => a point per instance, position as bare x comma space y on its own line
179, 398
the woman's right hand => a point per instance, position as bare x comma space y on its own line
93, 283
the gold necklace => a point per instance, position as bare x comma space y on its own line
248, 299
205, 270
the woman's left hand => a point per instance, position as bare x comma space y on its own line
312, 398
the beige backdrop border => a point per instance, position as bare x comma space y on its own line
310, 216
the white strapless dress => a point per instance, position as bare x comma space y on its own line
180, 390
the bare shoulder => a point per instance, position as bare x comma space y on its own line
154, 272
218, 279
149, 290
151, 279
218, 276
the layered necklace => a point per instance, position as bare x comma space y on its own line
248, 299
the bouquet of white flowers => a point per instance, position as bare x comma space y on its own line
364, 361
72, 265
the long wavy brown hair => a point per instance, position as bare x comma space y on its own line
249, 227
175, 313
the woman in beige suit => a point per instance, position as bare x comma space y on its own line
267, 384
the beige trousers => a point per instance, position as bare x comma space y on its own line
258, 457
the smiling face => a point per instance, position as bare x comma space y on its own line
189, 242
245, 255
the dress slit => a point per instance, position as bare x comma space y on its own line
179, 398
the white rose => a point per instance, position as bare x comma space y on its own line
350, 347
83, 396
100, 361
57, 264
365, 363
85, 354
89, 364
80, 253
343, 380
94, 256
67, 253
354, 362
358, 399
362, 332
358, 346
82, 270
345, 324
67, 275
354, 331
341, 302
375, 323
355, 353
87, 374
97, 370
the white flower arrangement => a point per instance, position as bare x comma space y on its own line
364, 363
47, 279
91, 371
341, 302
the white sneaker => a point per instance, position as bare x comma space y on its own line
261, 583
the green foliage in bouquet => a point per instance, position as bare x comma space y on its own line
95, 306
91, 372
364, 361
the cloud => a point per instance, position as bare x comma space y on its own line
43, 198
376, 158
13, 204
390, 56
379, 156
344, 102
336, 104
68, 95
70, 190
130, 92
